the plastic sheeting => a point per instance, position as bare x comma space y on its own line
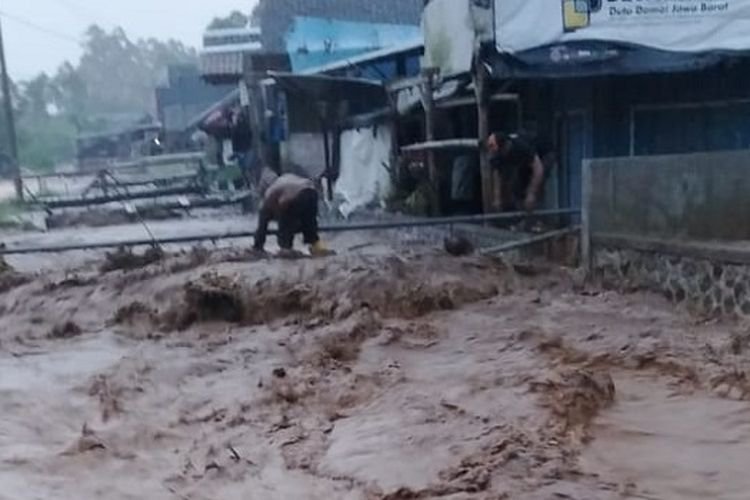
364, 180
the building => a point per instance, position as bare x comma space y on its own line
601, 79
277, 17
229, 54
337, 57
98, 150
183, 96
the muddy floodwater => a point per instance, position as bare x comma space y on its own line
674, 446
390, 371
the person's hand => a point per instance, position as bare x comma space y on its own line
529, 203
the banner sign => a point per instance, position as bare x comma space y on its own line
686, 26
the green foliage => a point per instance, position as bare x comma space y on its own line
46, 141
114, 75
234, 20
9, 211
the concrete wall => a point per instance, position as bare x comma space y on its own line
675, 225
703, 196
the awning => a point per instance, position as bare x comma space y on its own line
230, 99
581, 59
329, 88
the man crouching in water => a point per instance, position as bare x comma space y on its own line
291, 201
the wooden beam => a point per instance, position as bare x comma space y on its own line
587, 192
531, 240
480, 77
458, 102
428, 98
444, 144
147, 161
405, 83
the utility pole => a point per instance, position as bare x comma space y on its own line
10, 121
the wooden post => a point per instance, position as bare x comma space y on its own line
428, 98
480, 88
10, 123
252, 100
586, 193
395, 153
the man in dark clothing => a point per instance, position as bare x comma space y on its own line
242, 145
219, 126
522, 171
291, 201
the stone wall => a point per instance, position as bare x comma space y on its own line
706, 287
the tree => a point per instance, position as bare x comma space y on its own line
234, 20
115, 75
35, 96
121, 75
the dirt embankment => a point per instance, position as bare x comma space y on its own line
9, 277
209, 375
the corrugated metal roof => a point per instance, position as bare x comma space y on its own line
222, 64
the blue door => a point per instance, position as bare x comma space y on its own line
574, 130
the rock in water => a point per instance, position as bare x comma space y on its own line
458, 246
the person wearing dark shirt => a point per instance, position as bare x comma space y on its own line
291, 201
242, 145
522, 171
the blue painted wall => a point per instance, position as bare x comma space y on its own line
313, 42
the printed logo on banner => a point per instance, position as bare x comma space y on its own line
577, 13
670, 25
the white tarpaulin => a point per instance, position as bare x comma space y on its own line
448, 29
363, 179
692, 26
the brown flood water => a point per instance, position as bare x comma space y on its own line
673, 446
381, 374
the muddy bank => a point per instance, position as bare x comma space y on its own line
376, 374
392, 287
9, 277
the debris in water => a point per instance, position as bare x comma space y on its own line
9, 277
458, 246
67, 330
125, 260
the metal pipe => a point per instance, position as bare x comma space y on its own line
513, 245
338, 228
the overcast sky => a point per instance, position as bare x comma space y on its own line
41, 34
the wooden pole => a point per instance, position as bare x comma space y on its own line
251, 99
587, 191
395, 153
480, 78
428, 98
10, 122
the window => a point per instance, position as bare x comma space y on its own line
691, 128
